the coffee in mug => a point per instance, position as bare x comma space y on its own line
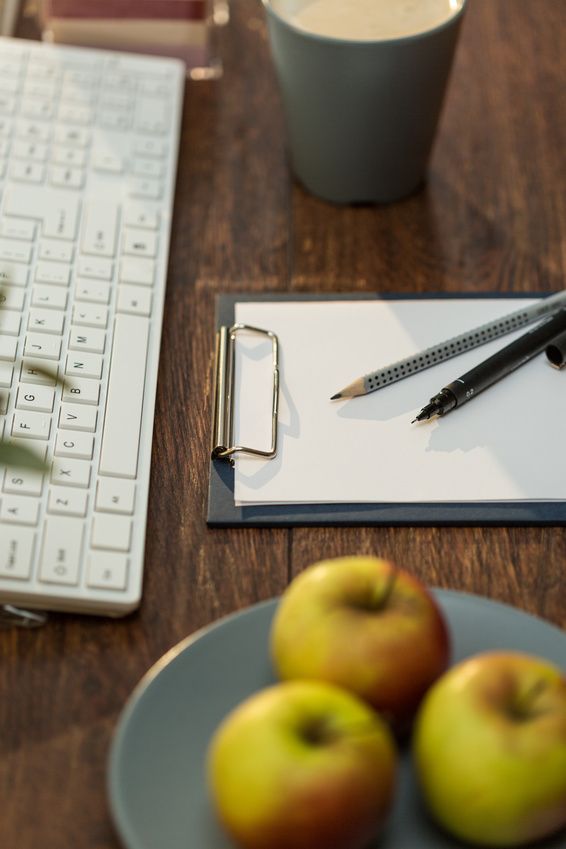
366, 20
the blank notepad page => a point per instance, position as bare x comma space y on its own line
506, 444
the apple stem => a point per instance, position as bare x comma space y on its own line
321, 732
522, 709
389, 587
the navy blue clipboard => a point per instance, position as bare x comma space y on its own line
223, 513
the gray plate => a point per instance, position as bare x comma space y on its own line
156, 771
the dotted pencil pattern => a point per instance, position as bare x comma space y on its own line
446, 350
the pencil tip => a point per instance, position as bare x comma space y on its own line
334, 397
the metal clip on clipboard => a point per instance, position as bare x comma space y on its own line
223, 421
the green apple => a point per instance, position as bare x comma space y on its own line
490, 749
302, 765
365, 625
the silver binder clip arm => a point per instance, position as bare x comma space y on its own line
223, 423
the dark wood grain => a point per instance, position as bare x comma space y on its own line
491, 217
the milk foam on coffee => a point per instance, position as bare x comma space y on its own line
366, 20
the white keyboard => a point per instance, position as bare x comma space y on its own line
88, 156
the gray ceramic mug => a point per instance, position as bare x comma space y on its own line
361, 115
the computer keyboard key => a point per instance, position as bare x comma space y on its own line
124, 402
107, 570
6, 374
79, 77
84, 365
6, 126
146, 187
43, 69
135, 300
107, 162
140, 243
74, 444
27, 172
15, 275
71, 473
37, 398
113, 533
15, 251
87, 315
56, 273
30, 425
148, 168
55, 250
12, 228
95, 268
100, 229
33, 108
46, 321
116, 100
37, 88
66, 177
50, 297
73, 136
9, 85
34, 130
73, 156
12, 298
43, 345
138, 215
138, 271
37, 371
18, 510
22, 481
78, 417
87, 339
61, 551
36, 151
10, 322
92, 292
115, 495
81, 391
7, 104
72, 113
16, 552
8, 348
66, 501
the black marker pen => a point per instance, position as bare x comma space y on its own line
494, 368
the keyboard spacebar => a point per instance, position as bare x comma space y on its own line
121, 434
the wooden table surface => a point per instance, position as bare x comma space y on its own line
491, 218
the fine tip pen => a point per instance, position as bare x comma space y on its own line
499, 365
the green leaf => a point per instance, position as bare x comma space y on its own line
17, 455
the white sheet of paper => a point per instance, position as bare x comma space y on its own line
508, 443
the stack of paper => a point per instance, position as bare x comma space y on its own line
178, 28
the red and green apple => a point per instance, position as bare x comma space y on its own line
363, 624
302, 765
490, 749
